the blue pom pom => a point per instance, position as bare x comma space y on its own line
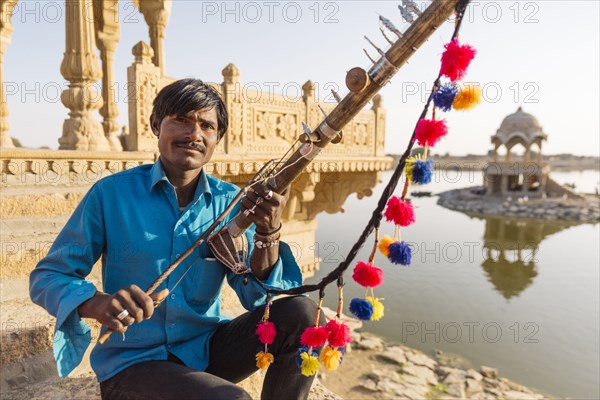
361, 309
400, 253
444, 96
303, 350
422, 172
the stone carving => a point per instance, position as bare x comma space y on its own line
7, 8
145, 82
156, 13
106, 23
334, 188
81, 68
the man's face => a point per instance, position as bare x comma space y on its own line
177, 132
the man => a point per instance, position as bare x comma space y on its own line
140, 221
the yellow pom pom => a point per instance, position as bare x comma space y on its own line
377, 308
310, 364
263, 360
330, 357
467, 98
409, 166
384, 243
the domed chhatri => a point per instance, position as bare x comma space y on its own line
519, 127
517, 174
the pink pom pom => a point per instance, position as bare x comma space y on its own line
430, 132
266, 332
367, 275
456, 60
399, 211
314, 336
339, 334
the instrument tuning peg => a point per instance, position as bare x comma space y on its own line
322, 111
412, 7
357, 79
308, 136
406, 15
388, 24
369, 56
306, 129
390, 41
338, 138
336, 96
381, 52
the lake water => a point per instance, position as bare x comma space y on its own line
519, 295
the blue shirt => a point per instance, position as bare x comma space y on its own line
133, 221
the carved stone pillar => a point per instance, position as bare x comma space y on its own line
106, 20
156, 13
379, 125
6, 11
81, 68
143, 84
232, 95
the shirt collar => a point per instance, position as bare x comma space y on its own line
158, 174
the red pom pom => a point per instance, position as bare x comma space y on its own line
367, 275
339, 334
314, 336
399, 211
430, 132
456, 60
266, 332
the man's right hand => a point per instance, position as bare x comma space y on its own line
105, 308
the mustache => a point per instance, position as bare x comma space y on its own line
191, 144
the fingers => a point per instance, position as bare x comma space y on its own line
130, 305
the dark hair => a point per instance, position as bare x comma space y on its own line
184, 96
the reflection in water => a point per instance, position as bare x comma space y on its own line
511, 246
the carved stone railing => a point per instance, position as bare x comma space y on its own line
324, 186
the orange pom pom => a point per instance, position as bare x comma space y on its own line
467, 98
384, 243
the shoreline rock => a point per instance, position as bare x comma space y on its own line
399, 371
586, 210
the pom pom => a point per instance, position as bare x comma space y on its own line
430, 131
468, 97
456, 60
310, 364
400, 253
361, 309
367, 275
377, 308
419, 171
266, 332
303, 350
339, 333
444, 96
314, 336
399, 211
384, 243
263, 360
331, 357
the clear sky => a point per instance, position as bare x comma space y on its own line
541, 55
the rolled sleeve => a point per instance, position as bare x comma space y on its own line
72, 336
58, 282
286, 274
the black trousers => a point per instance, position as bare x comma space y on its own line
233, 348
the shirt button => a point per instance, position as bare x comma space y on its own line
172, 325
173, 296
178, 255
